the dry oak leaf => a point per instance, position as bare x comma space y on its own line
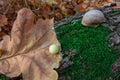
26, 49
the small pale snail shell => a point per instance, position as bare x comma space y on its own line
93, 18
54, 49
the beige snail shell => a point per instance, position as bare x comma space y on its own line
92, 18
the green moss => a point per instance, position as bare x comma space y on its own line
114, 12
3, 77
91, 44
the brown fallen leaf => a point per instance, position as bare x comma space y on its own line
26, 49
49, 1
117, 5
2, 34
37, 3
3, 20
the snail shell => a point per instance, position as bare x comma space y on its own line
92, 18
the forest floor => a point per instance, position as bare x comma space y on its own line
67, 15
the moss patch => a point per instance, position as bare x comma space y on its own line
94, 56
